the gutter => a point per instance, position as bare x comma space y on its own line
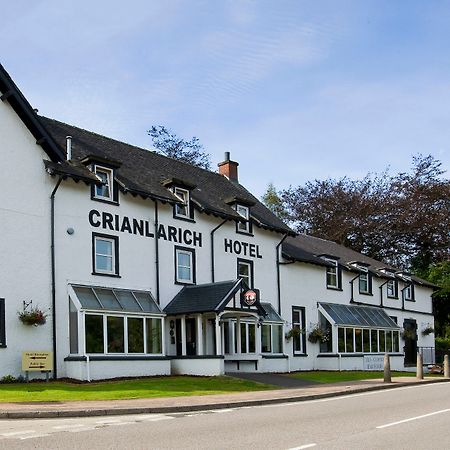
53, 271
277, 250
157, 251
212, 249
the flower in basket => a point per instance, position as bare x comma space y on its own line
318, 334
294, 332
34, 316
427, 330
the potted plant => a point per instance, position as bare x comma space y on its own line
318, 334
33, 316
408, 334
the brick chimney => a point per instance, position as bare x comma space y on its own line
228, 168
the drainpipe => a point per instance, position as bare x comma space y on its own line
381, 292
403, 297
212, 249
277, 249
157, 251
53, 270
351, 286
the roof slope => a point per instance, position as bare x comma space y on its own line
306, 248
142, 171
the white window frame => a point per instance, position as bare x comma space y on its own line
243, 211
271, 325
301, 326
366, 275
190, 253
109, 183
391, 285
113, 255
332, 271
184, 196
250, 271
408, 292
246, 344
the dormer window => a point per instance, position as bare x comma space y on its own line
408, 292
243, 226
182, 210
392, 289
105, 190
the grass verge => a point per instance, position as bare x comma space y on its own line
126, 389
323, 376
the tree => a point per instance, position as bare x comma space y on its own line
169, 144
401, 219
273, 201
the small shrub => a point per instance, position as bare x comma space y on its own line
8, 379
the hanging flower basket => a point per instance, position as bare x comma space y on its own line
427, 330
408, 334
318, 334
294, 332
34, 316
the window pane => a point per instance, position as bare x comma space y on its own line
389, 341
265, 339
147, 302
396, 345
298, 339
87, 298
366, 341
103, 247
154, 336
243, 341
115, 334
107, 299
73, 328
374, 340
127, 300
184, 259
135, 335
277, 338
341, 340
358, 340
349, 339
94, 334
251, 338
363, 285
104, 263
184, 273
382, 341
296, 317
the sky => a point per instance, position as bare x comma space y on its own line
296, 90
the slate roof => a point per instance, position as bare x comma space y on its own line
211, 297
306, 248
143, 172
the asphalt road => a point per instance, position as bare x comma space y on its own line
412, 417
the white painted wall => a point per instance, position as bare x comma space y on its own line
24, 239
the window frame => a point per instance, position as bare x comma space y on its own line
115, 255
191, 252
373, 335
243, 227
271, 325
338, 274
126, 346
112, 198
368, 276
250, 264
409, 288
189, 215
302, 326
395, 289
2, 324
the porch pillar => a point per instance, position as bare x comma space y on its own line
258, 335
183, 335
238, 335
200, 335
218, 337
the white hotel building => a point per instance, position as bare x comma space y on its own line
145, 265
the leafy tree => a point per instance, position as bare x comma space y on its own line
401, 219
273, 201
169, 144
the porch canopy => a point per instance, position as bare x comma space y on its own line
210, 298
357, 316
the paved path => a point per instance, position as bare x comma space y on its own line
275, 379
198, 403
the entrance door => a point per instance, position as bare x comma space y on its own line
410, 337
191, 337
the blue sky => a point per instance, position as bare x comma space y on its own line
295, 90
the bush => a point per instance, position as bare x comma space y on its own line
442, 343
8, 379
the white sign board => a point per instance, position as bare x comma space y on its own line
375, 362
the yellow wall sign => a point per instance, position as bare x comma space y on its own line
37, 361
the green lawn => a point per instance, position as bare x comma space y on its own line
140, 388
323, 376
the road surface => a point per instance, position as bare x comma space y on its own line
411, 417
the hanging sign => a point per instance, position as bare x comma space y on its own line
250, 297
